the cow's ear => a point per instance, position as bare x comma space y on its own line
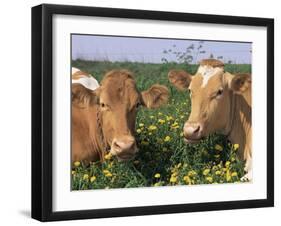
240, 82
180, 79
155, 96
83, 97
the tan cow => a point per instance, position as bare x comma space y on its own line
220, 102
104, 118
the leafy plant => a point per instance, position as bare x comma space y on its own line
188, 56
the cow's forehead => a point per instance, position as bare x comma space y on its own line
207, 76
116, 90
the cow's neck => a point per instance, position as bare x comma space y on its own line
99, 133
96, 134
239, 128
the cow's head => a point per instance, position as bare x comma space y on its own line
119, 100
211, 90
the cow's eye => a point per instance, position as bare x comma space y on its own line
220, 92
138, 105
103, 105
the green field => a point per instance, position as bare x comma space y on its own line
163, 159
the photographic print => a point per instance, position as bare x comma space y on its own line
150, 112
139, 112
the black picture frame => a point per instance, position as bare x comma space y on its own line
42, 111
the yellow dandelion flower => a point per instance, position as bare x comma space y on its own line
144, 142
218, 172
161, 121
108, 156
151, 116
233, 159
167, 138
209, 179
187, 179
191, 173
218, 147
77, 163
73, 172
228, 176
93, 178
152, 127
234, 174
157, 184
85, 176
106, 171
206, 172
138, 130
173, 179
174, 124
169, 118
157, 175
214, 167
227, 164
160, 113
236, 146
108, 174
149, 133
179, 165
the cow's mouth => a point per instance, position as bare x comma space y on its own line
191, 141
125, 157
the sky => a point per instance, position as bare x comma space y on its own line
151, 50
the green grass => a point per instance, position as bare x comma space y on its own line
163, 159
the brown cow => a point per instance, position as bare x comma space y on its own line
105, 117
220, 102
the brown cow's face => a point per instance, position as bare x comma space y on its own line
119, 100
209, 104
210, 92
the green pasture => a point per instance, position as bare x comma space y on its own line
163, 159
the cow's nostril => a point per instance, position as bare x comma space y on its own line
197, 129
116, 145
123, 145
192, 131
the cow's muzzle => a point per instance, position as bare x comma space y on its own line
192, 132
124, 148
